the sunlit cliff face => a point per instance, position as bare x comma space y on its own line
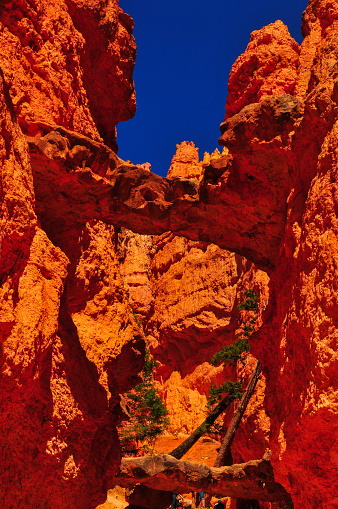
69, 342
60, 383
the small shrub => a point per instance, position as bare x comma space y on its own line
251, 301
216, 394
139, 322
229, 354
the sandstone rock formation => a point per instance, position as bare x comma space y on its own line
60, 378
69, 63
268, 67
122, 194
135, 253
69, 341
197, 288
186, 163
249, 480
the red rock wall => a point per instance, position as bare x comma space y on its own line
268, 67
69, 63
297, 342
68, 340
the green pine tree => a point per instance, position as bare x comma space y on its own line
148, 414
229, 354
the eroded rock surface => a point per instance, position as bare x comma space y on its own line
252, 479
271, 197
268, 67
186, 161
126, 195
69, 63
60, 378
197, 289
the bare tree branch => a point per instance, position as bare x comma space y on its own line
184, 447
237, 417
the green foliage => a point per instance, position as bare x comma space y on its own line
251, 301
247, 328
148, 415
148, 368
203, 428
230, 353
216, 394
136, 318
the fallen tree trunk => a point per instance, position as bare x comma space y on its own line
225, 448
144, 496
184, 447
251, 480
143, 492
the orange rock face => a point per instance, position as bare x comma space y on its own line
71, 278
185, 161
60, 61
197, 288
269, 66
61, 306
135, 253
303, 294
18, 219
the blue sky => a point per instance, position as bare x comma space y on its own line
185, 50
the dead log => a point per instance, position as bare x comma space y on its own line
184, 447
237, 417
